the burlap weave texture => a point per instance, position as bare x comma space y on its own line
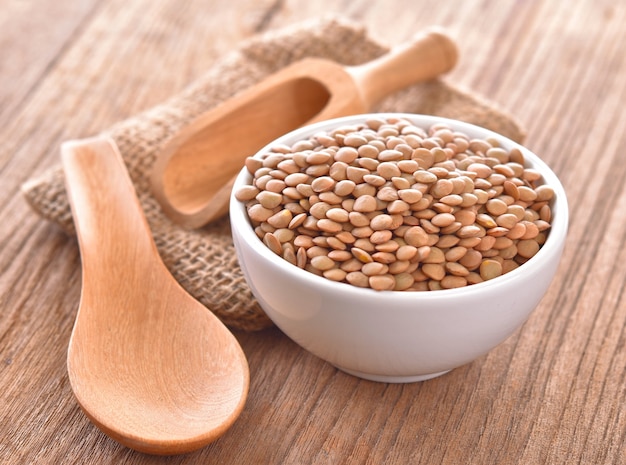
204, 260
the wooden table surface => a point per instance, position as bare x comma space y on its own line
554, 392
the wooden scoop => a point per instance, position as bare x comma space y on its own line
148, 364
193, 175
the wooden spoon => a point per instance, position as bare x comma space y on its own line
192, 176
149, 365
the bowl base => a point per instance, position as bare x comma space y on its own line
392, 379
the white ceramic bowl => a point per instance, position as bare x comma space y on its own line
397, 336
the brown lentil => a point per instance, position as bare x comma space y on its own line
384, 282
452, 281
392, 206
490, 269
335, 274
273, 243
356, 278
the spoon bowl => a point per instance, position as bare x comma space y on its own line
149, 365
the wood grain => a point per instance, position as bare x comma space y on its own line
552, 393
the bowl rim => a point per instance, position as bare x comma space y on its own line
555, 240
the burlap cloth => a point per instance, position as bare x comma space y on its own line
204, 260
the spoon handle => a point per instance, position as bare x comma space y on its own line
105, 208
430, 54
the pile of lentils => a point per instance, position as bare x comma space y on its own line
391, 206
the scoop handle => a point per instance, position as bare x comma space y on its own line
430, 54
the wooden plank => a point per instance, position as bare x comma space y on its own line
31, 44
552, 393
